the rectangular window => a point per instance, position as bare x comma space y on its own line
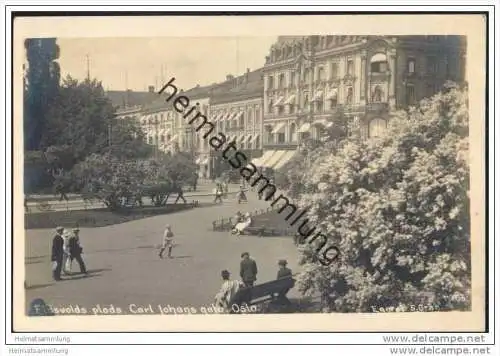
334, 71
432, 64
270, 83
350, 67
281, 137
321, 74
292, 79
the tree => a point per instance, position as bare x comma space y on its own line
398, 209
41, 82
166, 175
79, 118
108, 179
127, 140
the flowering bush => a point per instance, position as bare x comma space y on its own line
398, 209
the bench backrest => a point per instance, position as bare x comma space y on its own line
264, 289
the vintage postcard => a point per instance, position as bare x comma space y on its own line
297, 173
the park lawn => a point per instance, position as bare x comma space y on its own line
96, 217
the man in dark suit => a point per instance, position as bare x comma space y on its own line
76, 250
248, 270
57, 253
283, 272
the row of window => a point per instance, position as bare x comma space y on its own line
378, 64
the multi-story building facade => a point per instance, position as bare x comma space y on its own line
308, 81
237, 111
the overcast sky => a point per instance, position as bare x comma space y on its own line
138, 61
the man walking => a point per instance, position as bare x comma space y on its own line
248, 270
168, 242
76, 250
57, 253
180, 194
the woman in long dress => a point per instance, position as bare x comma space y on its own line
240, 227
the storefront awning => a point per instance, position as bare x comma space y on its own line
271, 162
262, 159
237, 115
332, 94
174, 138
216, 117
279, 128
285, 159
242, 138
204, 161
225, 116
290, 100
198, 160
279, 101
304, 128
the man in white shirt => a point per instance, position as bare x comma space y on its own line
168, 241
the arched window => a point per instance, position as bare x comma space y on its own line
257, 143
377, 94
378, 63
293, 133
270, 106
257, 117
377, 127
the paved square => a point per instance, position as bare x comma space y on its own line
125, 268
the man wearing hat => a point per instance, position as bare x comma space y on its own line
76, 250
57, 253
283, 272
248, 270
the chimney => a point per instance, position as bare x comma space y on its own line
197, 85
247, 74
229, 77
151, 89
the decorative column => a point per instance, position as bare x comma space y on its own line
392, 79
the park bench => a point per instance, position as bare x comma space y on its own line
262, 293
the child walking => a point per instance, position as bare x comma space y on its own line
168, 239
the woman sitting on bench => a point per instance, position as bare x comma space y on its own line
240, 227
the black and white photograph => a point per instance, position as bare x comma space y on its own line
250, 176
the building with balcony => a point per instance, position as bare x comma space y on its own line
236, 107
309, 81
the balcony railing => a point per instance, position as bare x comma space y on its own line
377, 107
280, 145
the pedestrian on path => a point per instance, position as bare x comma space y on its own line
168, 242
180, 195
248, 270
218, 193
57, 253
76, 250
67, 260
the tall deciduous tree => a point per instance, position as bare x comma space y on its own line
398, 209
41, 82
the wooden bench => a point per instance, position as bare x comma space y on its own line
264, 292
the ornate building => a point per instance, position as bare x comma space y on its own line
311, 80
236, 110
